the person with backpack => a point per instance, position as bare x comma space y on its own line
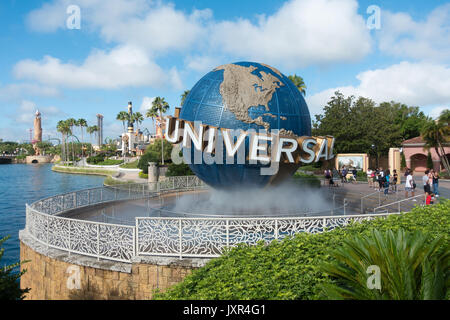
386, 181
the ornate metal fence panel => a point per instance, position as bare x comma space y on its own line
159, 236
208, 237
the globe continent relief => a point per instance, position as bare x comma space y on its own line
245, 96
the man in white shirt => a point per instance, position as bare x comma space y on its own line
409, 185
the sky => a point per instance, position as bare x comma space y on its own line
78, 58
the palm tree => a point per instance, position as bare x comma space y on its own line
184, 96
152, 113
82, 123
72, 123
137, 117
123, 116
64, 128
160, 106
299, 83
435, 133
90, 130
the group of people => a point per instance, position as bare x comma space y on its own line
380, 179
332, 176
430, 182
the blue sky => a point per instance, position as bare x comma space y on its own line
135, 50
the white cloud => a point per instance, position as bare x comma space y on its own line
301, 33
153, 26
20, 90
25, 113
427, 40
202, 63
53, 15
436, 112
146, 104
416, 84
120, 67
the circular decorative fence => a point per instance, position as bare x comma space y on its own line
159, 236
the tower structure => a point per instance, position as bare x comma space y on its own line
37, 132
130, 121
100, 129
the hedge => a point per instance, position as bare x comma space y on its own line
290, 269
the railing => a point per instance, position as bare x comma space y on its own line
158, 236
380, 196
395, 205
208, 237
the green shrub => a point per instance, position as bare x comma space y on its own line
409, 268
174, 170
96, 159
9, 286
143, 175
130, 165
429, 161
291, 269
402, 161
149, 156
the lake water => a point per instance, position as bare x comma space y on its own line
21, 184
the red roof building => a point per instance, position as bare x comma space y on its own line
416, 154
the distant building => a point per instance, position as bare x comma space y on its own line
416, 154
100, 130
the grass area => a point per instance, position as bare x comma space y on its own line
109, 181
293, 268
77, 170
143, 175
130, 165
109, 162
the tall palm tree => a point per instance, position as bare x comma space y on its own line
160, 106
91, 130
82, 123
137, 117
124, 117
436, 133
72, 123
64, 128
184, 96
299, 83
152, 113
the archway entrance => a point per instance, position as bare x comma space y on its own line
34, 161
419, 162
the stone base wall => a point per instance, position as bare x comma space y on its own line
38, 159
55, 275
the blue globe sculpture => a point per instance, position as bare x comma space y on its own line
245, 95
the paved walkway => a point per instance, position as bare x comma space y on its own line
353, 192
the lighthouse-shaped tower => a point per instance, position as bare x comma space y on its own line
37, 133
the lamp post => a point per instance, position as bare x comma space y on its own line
375, 149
